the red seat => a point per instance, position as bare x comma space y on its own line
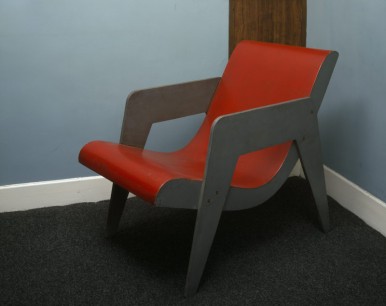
144, 172
261, 117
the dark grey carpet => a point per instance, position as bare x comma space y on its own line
273, 254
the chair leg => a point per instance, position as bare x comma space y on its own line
311, 159
205, 229
117, 203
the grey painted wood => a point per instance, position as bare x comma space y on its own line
324, 76
145, 107
310, 154
117, 203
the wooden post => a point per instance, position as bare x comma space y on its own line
278, 21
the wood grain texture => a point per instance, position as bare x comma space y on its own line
278, 21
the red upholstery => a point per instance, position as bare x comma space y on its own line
257, 74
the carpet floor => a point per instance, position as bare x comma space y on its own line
273, 254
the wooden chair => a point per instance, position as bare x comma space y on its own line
261, 116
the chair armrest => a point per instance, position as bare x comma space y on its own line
262, 127
236, 134
145, 107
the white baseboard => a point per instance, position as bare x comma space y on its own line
96, 188
363, 204
352, 197
59, 192
297, 170
54, 193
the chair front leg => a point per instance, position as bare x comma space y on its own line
311, 158
116, 206
208, 217
214, 191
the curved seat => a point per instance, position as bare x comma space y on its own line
261, 116
144, 172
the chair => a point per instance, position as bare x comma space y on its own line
261, 116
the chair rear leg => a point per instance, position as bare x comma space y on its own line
311, 159
117, 203
208, 217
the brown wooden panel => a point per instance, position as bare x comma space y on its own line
279, 21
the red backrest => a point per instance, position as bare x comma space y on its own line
259, 74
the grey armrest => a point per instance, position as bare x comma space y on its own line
145, 107
240, 133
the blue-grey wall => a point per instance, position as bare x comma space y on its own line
353, 115
66, 68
